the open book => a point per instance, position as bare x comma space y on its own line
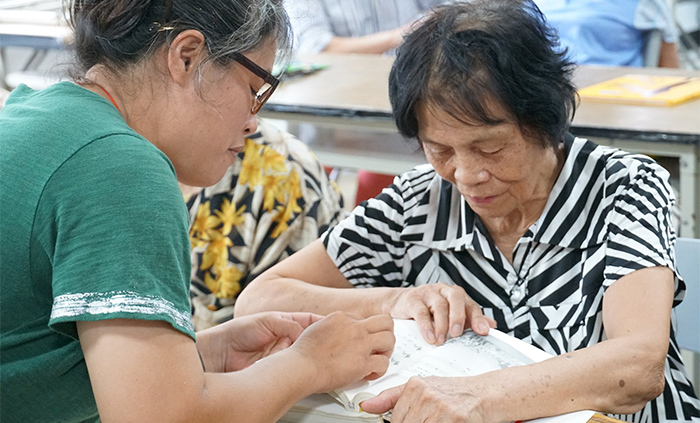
467, 355
653, 90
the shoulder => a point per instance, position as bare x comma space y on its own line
286, 145
411, 189
619, 172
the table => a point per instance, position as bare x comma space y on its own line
346, 110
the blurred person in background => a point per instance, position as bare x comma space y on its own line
618, 33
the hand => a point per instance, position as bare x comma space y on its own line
429, 399
439, 308
240, 342
344, 349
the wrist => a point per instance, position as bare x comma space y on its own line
311, 376
388, 304
207, 352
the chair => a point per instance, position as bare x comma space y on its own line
688, 311
652, 48
370, 184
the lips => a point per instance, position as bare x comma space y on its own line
483, 200
236, 150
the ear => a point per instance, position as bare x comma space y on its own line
184, 56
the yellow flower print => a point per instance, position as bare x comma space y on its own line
273, 161
283, 216
227, 283
251, 167
197, 242
203, 221
217, 250
293, 187
229, 216
273, 189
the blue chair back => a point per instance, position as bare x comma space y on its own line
688, 312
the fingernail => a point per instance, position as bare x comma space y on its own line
456, 331
441, 339
431, 337
483, 327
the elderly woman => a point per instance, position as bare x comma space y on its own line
94, 232
563, 243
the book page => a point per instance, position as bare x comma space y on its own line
320, 408
467, 355
410, 347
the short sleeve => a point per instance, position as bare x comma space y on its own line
310, 24
640, 228
656, 14
367, 247
117, 236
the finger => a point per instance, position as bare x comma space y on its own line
458, 315
424, 319
477, 321
439, 307
377, 364
492, 322
383, 402
379, 323
284, 328
382, 342
304, 319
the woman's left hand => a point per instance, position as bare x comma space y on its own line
238, 343
440, 310
430, 399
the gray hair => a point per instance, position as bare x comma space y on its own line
121, 33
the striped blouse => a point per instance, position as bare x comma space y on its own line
609, 214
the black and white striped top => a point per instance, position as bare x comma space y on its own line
608, 215
315, 22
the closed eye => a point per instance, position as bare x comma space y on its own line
491, 152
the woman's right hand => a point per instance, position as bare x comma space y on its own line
440, 310
344, 349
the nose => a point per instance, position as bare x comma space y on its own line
470, 172
251, 125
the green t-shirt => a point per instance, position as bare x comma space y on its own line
92, 227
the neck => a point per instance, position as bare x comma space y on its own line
136, 104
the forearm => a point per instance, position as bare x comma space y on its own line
270, 292
616, 376
376, 43
260, 393
668, 56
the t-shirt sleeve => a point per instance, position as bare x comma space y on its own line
367, 247
117, 237
656, 14
310, 24
640, 228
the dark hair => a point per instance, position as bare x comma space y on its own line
471, 55
119, 33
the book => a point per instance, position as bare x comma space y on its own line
323, 408
654, 90
467, 355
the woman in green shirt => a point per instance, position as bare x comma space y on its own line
94, 249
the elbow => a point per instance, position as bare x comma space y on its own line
646, 387
250, 300
655, 381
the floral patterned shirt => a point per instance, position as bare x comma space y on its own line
272, 202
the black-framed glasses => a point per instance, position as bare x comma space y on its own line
268, 87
